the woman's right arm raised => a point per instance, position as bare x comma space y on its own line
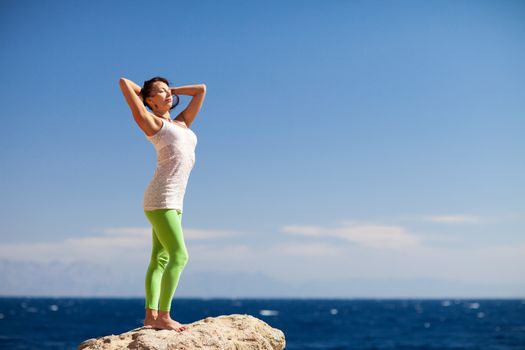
144, 119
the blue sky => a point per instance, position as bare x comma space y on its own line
344, 139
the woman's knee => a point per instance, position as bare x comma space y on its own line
180, 257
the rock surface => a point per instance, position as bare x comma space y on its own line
235, 332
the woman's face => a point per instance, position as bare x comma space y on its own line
160, 97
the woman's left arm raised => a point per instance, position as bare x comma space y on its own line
198, 92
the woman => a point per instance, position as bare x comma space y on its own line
175, 145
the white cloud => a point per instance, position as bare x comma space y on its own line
202, 234
125, 231
229, 256
363, 250
111, 244
189, 233
381, 251
94, 248
368, 235
453, 219
307, 249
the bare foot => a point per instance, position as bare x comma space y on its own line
149, 322
162, 323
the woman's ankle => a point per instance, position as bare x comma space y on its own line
151, 314
165, 315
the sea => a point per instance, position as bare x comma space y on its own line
308, 324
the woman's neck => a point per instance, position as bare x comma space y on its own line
165, 115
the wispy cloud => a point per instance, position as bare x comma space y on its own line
369, 235
189, 233
300, 251
106, 244
92, 248
207, 234
124, 231
453, 219
308, 249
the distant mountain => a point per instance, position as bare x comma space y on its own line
58, 278
417, 287
26, 278
86, 279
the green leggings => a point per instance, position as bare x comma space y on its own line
168, 257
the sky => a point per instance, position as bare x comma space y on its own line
345, 148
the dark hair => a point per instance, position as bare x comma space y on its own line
148, 86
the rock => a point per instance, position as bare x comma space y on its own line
235, 332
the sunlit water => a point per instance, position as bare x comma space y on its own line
62, 323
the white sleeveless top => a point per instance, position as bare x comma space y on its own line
175, 147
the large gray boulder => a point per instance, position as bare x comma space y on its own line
235, 332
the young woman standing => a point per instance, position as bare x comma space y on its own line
175, 144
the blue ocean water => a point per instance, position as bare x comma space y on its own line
335, 324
